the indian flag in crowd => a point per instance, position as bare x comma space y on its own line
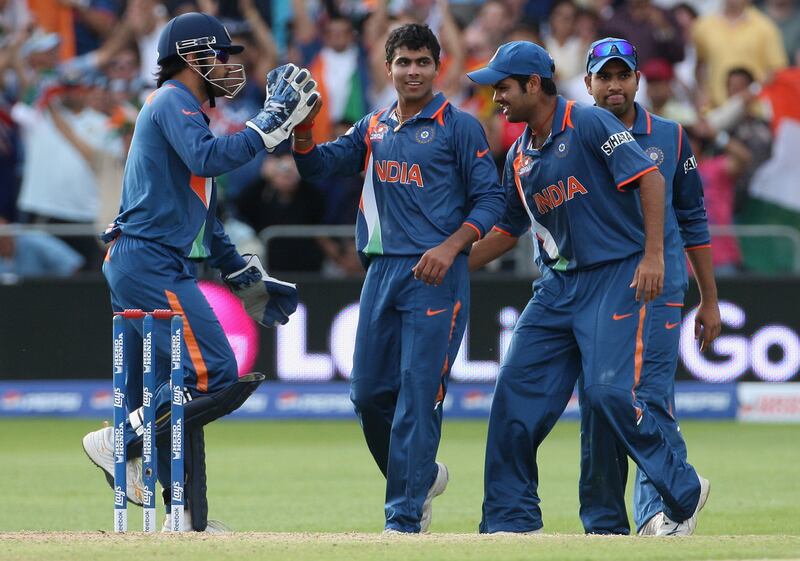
775, 187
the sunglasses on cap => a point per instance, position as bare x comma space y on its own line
612, 47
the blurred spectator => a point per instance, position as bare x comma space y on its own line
750, 128
93, 20
562, 42
35, 254
280, 197
145, 19
662, 100
54, 16
339, 65
719, 169
14, 16
685, 81
62, 137
786, 16
652, 29
738, 36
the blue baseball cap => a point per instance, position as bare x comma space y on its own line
609, 48
516, 58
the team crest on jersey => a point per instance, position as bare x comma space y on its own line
655, 154
562, 148
525, 165
424, 135
379, 131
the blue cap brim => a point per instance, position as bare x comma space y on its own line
601, 62
487, 76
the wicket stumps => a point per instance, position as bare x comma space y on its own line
149, 450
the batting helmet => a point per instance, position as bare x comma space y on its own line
193, 30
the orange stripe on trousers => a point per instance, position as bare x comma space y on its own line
191, 343
446, 366
637, 356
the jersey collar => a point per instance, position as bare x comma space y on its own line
431, 110
562, 117
642, 123
561, 121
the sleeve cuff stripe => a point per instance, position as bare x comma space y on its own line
635, 177
704, 246
477, 231
504, 232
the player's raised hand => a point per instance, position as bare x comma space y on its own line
707, 324
291, 95
648, 280
434, 264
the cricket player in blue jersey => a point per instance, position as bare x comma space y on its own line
430, 190
595, 203
613, 79
167, 223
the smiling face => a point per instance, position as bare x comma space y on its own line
515, 102
413, 73
614, 87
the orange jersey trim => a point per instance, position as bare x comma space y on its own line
439, 115
704, 246
501, 231
635, 177
674, 304
191, 343
474, 228
567, 122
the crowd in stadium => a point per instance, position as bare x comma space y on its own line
73, 74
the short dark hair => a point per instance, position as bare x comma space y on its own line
415, 37
168, 68
743, 72
548, 85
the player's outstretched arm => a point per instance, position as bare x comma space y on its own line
707, 323
491, 247
648, 280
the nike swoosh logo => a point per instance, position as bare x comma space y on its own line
482, 153
187, 112
434, 312
669, 325
617, 317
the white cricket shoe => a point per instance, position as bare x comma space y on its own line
212, 526
651, 526
99, 446
438, 487
669, 527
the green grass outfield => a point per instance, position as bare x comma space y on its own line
309, 490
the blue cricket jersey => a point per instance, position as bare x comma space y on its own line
685, 223
169, 193
423, 179
576, 191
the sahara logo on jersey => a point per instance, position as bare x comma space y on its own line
689, 165
615, 140
555, 195
389, 171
